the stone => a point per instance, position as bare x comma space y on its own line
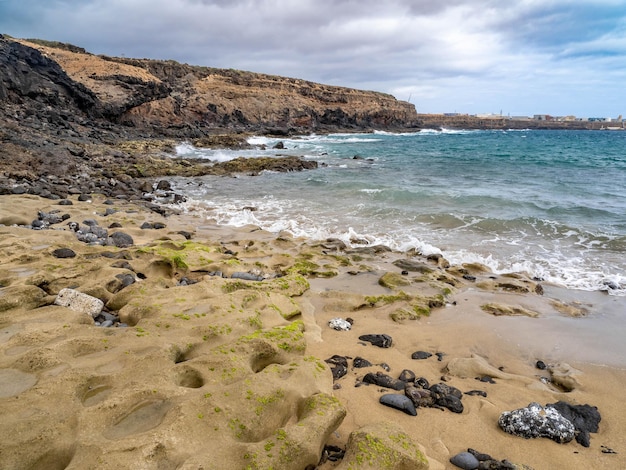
380, 340
585, 418
399, 402
64, 253
465, 460
384, 380
120, 239
419, 396
537, 421
359, 363
339, 324
79, 302
338, 366
407, 375
420, 355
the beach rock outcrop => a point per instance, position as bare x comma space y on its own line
382, 445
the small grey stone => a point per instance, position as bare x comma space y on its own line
420, 355
465, 460
106, 324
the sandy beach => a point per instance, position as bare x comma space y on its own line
217, 357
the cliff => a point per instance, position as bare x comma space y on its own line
172, 99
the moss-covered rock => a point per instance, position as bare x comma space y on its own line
393, 280
508, 310
382, 446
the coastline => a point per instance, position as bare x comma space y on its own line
140, 392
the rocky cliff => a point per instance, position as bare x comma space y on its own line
169, 98
71, 120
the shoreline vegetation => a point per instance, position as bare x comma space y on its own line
132, 333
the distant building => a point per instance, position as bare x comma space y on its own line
543, 117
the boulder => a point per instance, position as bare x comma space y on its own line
537, 421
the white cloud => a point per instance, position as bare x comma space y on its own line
468, 55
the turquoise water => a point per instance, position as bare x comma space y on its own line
550, 203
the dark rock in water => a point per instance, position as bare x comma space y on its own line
585, 418
407, 375
420, 355
384, 380
164, 185
380, 340
339, 366
121, 240
359, 363
537, 421
64, 253
541, 365
419, 396
465, 460
399, 402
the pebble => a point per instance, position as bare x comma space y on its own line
380, 340
407, 375
420, 355
340, 324
384, 380
64, 253
359, 363
540, 365
399, 402
338, 366
465, 460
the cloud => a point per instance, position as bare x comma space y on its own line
463, 54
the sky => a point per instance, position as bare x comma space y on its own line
510, 57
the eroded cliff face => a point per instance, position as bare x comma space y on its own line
174, 99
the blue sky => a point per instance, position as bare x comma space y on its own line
518, 57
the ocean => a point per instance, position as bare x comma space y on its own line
546, 202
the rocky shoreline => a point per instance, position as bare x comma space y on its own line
134, 334
208, 344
